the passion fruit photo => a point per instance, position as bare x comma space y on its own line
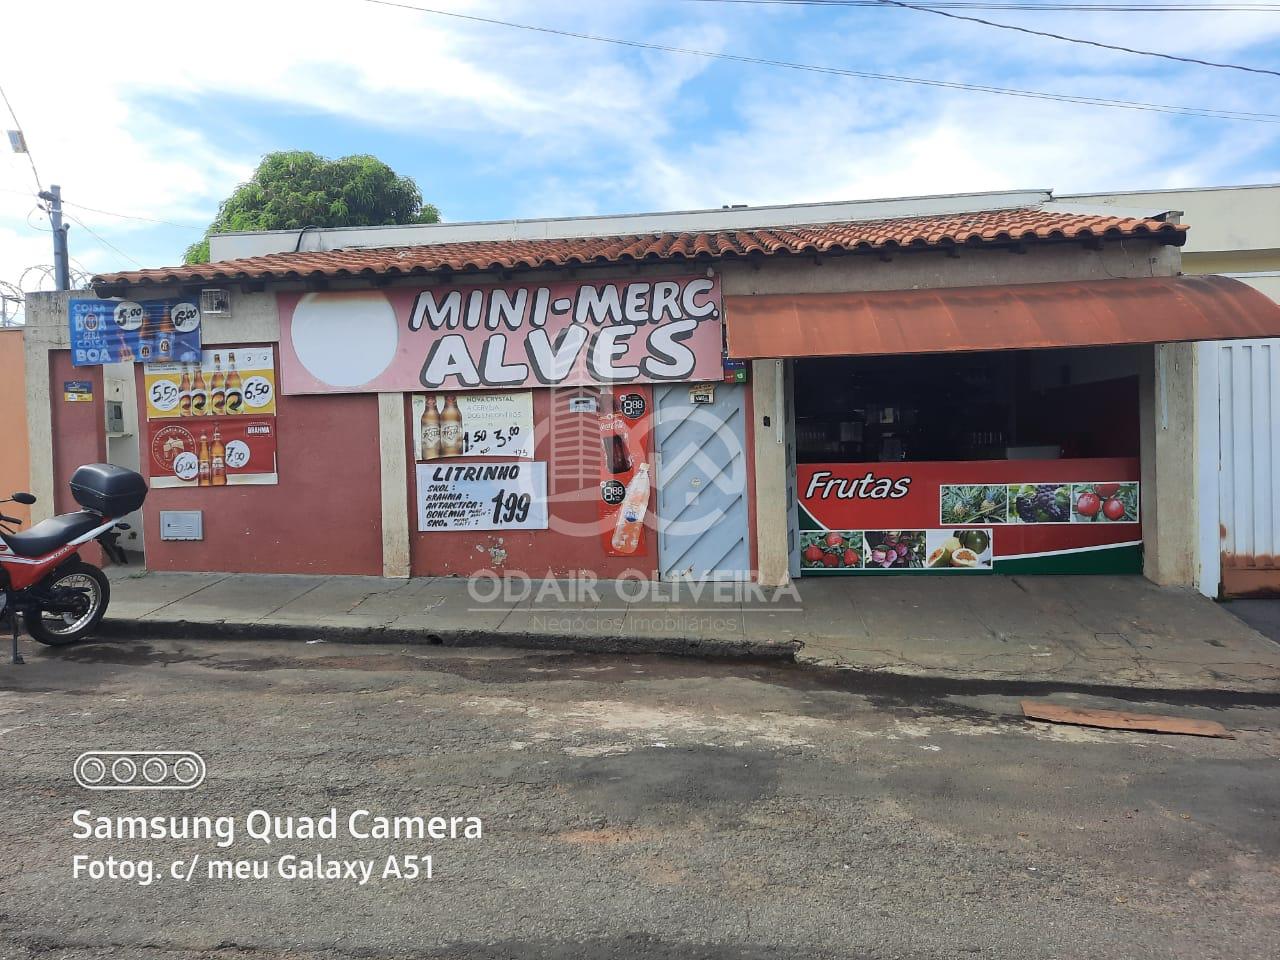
958, 549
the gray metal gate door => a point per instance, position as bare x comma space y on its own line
702, 484
1249, 467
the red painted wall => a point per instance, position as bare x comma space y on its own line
323, 517
79, 435
533, 552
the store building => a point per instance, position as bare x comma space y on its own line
951, 386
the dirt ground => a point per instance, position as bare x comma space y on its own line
633, 807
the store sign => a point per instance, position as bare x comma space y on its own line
473, 425
212, 453
980, 515
213, 383
482, 496
457, 338
147, 331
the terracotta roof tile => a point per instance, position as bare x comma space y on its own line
985, 227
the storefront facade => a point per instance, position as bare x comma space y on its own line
950, 393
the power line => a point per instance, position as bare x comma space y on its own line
936, 8
26, 148
111, 213
130, 216
1058, 36
1206, 112
1049, 7
102, 240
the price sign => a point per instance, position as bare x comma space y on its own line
482, 496
186, 466
185, 316
163, 395
632, 406
129, 315
237, 454
258, 392
491, 425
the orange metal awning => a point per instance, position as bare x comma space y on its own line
1014, 317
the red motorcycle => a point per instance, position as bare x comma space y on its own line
59, 596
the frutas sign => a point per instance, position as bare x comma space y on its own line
1015, 516
485, 337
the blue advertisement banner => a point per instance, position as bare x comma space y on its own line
147, 331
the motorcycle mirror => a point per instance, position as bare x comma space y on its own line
23, 498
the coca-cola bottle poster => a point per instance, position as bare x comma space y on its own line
626, 481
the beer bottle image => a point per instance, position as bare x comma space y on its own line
146, 341
199, 393
165, 333
626, 533
218, 456
184, 393
429, 429
206, 478
451, 428
235, 388
217, 389
124, 352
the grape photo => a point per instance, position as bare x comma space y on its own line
1039, 503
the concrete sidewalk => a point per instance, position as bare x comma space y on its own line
1063, 632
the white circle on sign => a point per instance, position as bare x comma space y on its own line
257, 392
185, 317
165, 394
344, 339
237, 454
129, 315
186, 466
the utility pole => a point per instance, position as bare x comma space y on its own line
61, 263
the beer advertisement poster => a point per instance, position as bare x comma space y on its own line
129, 331
473, 425
227, 382
625, 420
482, 496
212, 452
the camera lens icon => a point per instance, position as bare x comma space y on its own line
139, 770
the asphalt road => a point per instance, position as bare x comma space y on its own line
630, 807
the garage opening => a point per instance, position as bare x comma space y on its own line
964, 463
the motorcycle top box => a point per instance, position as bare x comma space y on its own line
107, 489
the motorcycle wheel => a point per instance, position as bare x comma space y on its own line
63, 629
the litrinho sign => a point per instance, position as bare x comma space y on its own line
487, 337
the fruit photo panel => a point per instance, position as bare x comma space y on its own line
1039, 503
831, 550
894, 550
961, 550
1110, 502
965, 503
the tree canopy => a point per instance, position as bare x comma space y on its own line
292, 189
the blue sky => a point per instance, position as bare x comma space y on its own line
160, 117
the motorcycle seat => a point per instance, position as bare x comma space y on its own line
48, 535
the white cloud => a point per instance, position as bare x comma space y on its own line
590, 127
